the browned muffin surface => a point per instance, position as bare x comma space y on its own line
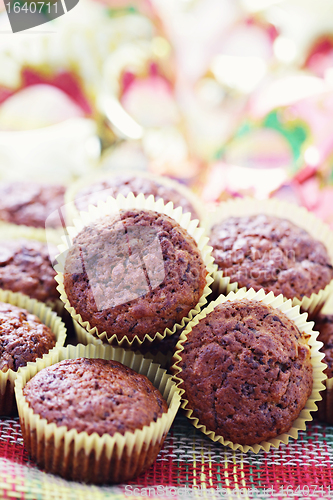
134, 276
267, 252
23, 337
125, 184
324, 324
30, 203
25, 267
94, 395
246, 372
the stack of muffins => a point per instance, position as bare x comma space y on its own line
135, 272
281, 256
151, 250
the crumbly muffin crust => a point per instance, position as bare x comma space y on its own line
324, 324
94, 395
30, 203
246, 371
23, 337
25, 267
125, 184
267, 252
134, 275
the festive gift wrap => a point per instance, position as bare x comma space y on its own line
47, 107
112, 207
217, 104
93, 458
52, 82
299, 216
133, 76
139, 99
73, 60
50, 319
209, 363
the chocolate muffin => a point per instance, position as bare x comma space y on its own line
25, 267
131, 183
134, 274
120, 399
246, 371
23, 338
30, 203
105, 422
266, 252
324, 324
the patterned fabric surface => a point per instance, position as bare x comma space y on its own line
189, 466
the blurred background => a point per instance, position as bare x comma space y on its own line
230, 97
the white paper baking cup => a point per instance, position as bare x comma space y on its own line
93, 458
300, 321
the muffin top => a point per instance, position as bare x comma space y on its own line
246, 371
119, 399
30, 203
266, 252
25, 267
23, 337
324, 324
125, 184
136, 273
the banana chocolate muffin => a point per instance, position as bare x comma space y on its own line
246, 371
30, 203
25, 267
135, 273
130, 183
267, 252
23, 338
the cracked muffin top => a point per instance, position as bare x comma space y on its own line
324, 324
125, 184
25, 267
30, 203
136, 273
246, 371
120, 399
267, 252
23, 337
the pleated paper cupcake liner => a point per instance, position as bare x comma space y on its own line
92, 458
50, 319
273, 207
72, 211
112, 206
300, 321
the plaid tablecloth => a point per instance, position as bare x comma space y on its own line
189, 466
